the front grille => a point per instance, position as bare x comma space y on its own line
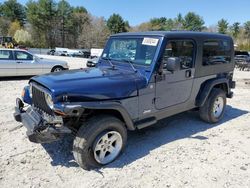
38, 100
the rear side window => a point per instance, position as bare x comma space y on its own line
216, 52
6, 55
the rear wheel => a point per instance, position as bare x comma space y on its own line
213, 109
99, 142
57, 69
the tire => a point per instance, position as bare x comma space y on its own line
57, 69
214, 108
91, 136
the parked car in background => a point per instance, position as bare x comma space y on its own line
17, 62
84, 53
92, 62
242, 58
51, 52
237, 52
81, 53
94, 52
61, 53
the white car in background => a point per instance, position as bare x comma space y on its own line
16, 62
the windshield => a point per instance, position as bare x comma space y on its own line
133, 50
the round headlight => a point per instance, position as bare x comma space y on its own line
49, 100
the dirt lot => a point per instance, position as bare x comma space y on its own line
180, 151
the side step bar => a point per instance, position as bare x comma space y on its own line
145, 123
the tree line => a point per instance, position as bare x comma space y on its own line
47, 24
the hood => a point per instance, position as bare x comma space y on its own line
93, 83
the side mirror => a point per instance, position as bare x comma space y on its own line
172, 64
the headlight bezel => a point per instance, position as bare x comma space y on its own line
49, 100
30, 90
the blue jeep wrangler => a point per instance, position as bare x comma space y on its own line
139, 79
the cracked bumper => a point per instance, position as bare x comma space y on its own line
39, 130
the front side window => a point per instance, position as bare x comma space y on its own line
183, 49
5, 55
19, 55
216, 52
139, 51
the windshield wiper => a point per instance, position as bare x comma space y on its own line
109, 60
131, 64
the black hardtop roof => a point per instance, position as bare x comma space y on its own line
174, 34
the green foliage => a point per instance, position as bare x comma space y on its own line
14, 26
80, 21
178, 22
64, 13
51, 23
161, 24
193, 22
41, 15
223, 26
244, 47
13, 10
158, 23
22, 37
95, 34
79, 10
116, 24
247, 29
4, 26
235, 29
58, 24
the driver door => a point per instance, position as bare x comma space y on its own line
175, 87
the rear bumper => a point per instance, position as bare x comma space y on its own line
232, 85
230, 95
39, 129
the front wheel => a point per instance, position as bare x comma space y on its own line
213, 109
57, 69
99, 142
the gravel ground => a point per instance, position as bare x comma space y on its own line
180, 151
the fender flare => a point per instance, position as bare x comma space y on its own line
109, 105
206, 89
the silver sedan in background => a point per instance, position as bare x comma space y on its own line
16, 62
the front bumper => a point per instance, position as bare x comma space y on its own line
40, 128
91, 64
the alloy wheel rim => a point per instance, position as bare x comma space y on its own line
108, 147
218, 107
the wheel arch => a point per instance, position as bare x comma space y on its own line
109, 108
206, 87
55, 66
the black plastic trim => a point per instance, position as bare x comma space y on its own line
109, 105
208, 86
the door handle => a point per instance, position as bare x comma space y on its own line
188, 73
19, 62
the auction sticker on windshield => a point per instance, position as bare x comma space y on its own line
150, 41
